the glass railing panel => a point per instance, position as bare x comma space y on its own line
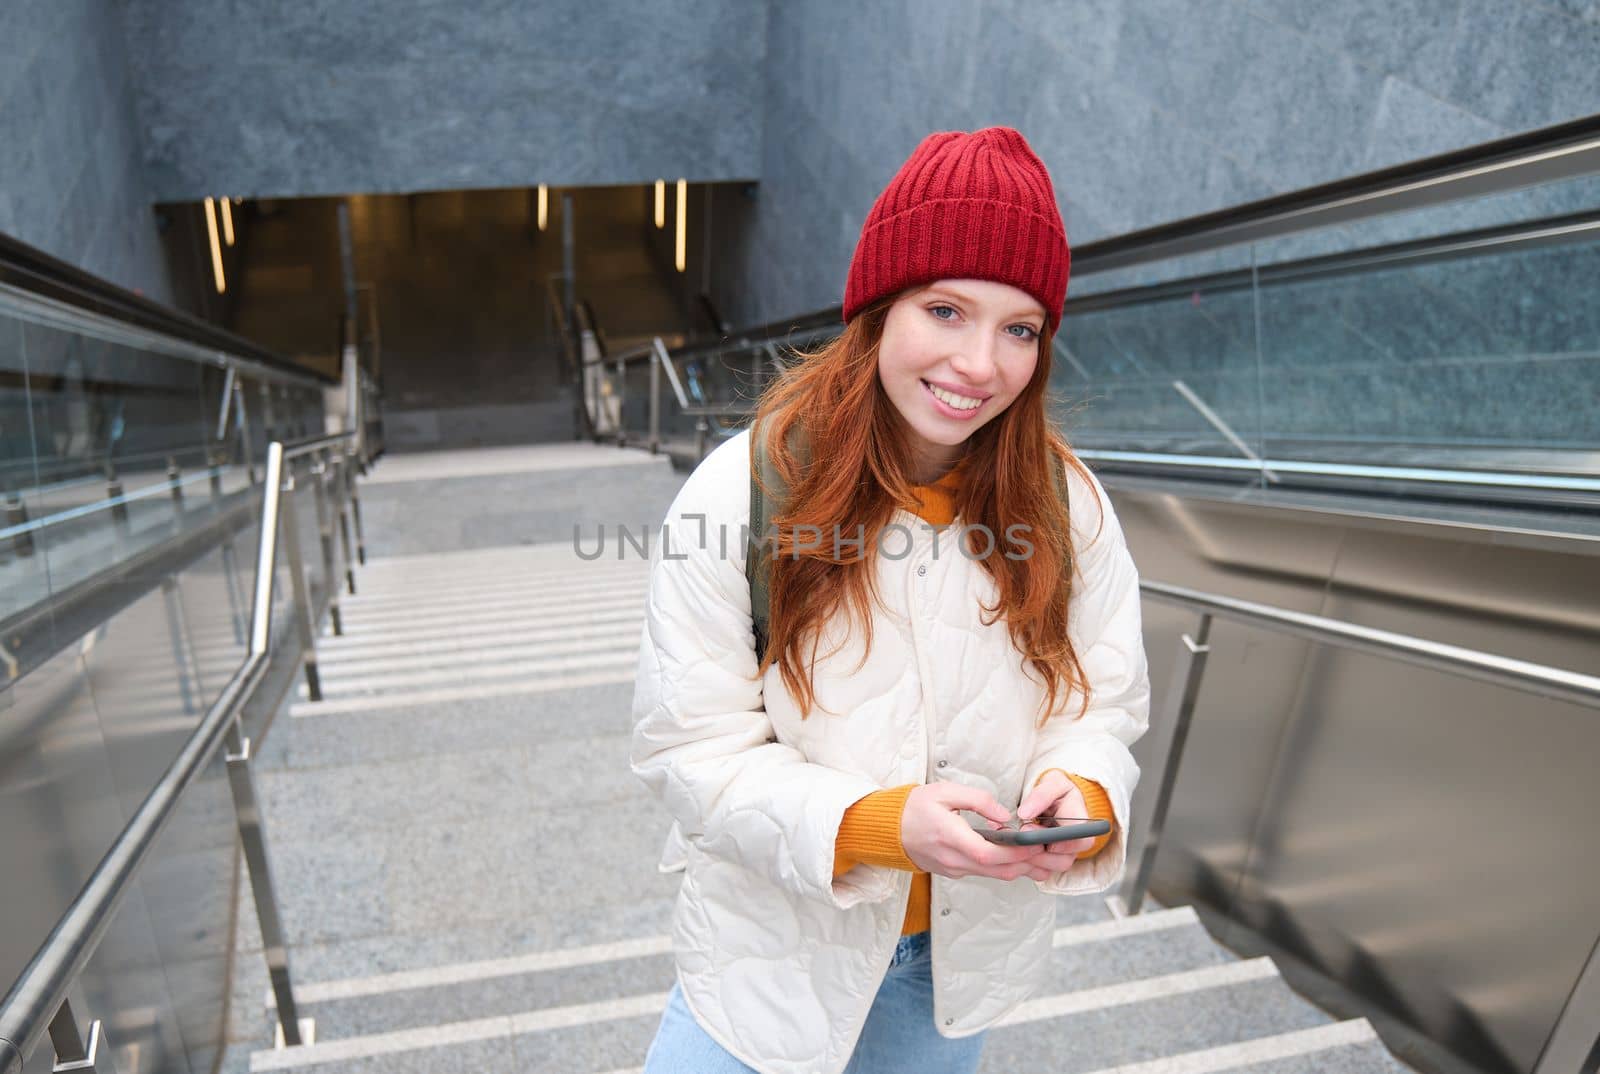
1508, 209
1170, 373
1461, 337
24, 553
111, 450
105, 427
1484, 360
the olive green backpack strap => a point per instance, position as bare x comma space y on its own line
1060, 469
757, 558
764, 505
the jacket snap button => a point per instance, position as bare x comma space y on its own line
945, 912
922, 568
949, 1021
942, 763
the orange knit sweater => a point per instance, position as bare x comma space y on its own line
869, 832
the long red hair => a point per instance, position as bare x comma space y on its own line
856, 434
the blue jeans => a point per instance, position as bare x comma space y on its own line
899, 1034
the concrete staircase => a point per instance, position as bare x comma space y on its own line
467, 865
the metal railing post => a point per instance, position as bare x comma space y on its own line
253, 840
17, 515
119, 506
242, 420
175, 479
73, 1053
330, 567
277, 512
302, 592
1185, 687
340, 505
247, 816
269, 414
331, 481
1574, 1043
622, 402
655, 402
324, 527
355, 516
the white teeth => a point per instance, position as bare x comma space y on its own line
960, 402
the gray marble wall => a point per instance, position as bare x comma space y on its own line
72, 176
332, 97
1145, 111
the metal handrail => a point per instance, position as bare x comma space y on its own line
26, 304
1433, 249
35, 1004
1553, 153
1411, 474
1538, 679
295, 449
55, 284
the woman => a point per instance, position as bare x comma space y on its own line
837, 912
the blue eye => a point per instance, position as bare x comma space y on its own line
1031, 333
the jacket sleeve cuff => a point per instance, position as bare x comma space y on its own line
1098, 804
869, 832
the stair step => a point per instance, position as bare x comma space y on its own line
508, 601
452, 464
467, 636
508, 720
501, 646
1087, 954
577, 988
1339, 1048
560, 659
443, 587
452, 695
1152, 1019
1080, 1031
530, 613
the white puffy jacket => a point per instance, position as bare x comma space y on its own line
779, 960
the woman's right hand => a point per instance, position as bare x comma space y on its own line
937, 840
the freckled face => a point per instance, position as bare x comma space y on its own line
954, 354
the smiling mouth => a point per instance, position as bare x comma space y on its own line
965, 404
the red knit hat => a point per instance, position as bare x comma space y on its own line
964, 206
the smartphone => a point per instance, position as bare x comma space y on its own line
1053, 833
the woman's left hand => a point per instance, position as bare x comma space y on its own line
1055, 796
